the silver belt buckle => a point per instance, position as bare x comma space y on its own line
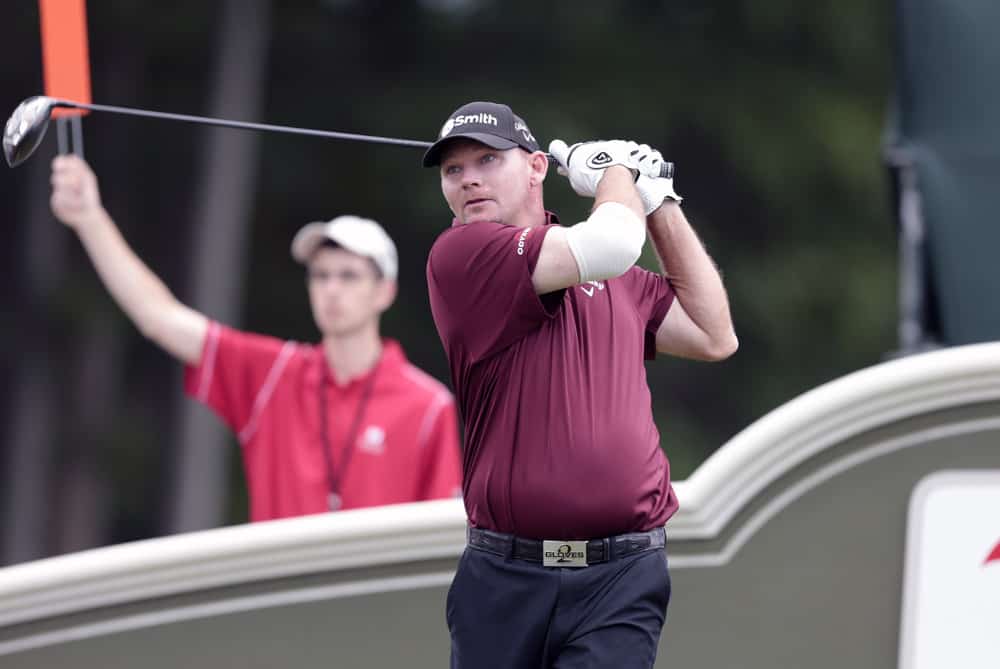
564, 553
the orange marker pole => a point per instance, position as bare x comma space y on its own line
66, 64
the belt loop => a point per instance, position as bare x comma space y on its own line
511, 545
609, 549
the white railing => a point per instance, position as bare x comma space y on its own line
228, 556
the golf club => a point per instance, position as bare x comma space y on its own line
26, 127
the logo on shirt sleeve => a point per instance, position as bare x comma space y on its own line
521, 240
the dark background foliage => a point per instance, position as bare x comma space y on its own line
772, 112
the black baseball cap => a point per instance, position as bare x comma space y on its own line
491, 123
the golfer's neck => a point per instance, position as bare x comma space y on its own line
530, 215
352, 355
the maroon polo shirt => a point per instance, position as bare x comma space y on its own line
402, 440
560, 441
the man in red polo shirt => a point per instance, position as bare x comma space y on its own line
546, 328
342, 424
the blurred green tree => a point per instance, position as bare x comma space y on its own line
772, 112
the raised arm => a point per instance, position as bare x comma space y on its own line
699, 324
159, 316
609, 242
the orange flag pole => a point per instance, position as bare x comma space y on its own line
66, 64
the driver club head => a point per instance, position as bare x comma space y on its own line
25, 128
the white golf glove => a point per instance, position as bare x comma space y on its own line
584, 162
652, 190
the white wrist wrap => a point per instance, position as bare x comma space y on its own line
608, 243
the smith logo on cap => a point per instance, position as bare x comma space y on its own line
482, 118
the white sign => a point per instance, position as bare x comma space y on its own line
951, 587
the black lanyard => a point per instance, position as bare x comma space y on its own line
335, 479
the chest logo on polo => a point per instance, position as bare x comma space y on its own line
599, 285
372, 440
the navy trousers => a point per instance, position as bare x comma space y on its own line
512, 613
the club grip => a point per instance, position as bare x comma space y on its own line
666, 168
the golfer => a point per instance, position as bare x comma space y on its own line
546, 328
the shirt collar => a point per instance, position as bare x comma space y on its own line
391, 360
550, 219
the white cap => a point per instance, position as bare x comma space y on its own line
358, 235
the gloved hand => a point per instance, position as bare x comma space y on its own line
652, 191
584, 162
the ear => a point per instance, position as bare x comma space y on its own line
539, 164
386, 294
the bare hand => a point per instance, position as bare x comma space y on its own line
76, 199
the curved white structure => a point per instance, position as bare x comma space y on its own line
399, 560
222, 557
825, 416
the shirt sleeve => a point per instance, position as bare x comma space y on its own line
441, 462
479, 282
653, 296
236, 372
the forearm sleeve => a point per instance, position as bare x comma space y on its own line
608, 243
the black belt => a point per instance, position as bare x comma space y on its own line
598, 550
